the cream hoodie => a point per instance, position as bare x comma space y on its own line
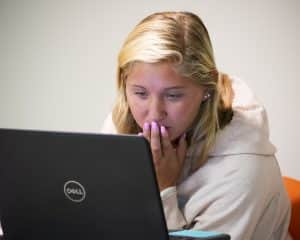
239, 190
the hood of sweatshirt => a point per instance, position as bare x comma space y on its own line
248, 131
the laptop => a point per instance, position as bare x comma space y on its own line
62, 185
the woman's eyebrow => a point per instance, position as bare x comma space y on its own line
165, 89
175, 88
136, 86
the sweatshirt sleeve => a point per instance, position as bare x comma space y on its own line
174, 217
247, 203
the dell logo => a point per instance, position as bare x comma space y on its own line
74, 191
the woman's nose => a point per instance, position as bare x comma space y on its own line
157, 111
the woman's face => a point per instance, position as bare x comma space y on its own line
156, 92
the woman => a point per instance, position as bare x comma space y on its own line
214, 163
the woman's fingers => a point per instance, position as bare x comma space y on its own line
161, 145
168, 160
155, 143
166, 143
146, 131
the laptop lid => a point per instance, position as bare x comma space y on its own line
57, 185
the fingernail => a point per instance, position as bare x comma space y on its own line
154, 125
162, 129
146, 126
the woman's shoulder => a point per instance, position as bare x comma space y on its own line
246, 169
239, 175
108, 125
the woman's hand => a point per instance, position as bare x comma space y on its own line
168, 161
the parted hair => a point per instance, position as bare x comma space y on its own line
181, 39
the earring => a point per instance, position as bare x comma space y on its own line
206, 96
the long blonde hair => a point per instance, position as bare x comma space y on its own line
181, 39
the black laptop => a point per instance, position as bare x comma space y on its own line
58, 185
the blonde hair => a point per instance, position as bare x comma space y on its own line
181, 39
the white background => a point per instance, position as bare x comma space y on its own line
58, 60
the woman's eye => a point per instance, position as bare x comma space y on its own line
141, 94
174, 96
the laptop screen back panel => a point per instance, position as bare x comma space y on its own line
121, 198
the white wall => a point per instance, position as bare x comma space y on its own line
58, 59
